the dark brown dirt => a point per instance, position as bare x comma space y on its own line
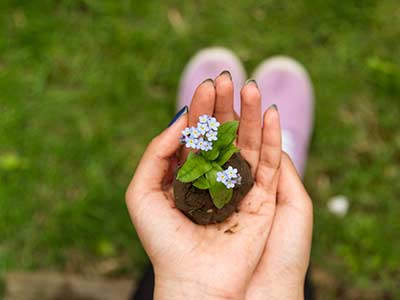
197, 205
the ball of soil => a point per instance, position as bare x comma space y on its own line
197, 205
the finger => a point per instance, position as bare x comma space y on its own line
203, 101
290, 238
270, 153
249, 136
151, 208
258, 207
286, 255
294, 216
223, 110
155, 162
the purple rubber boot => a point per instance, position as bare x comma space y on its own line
209, 63
284, 82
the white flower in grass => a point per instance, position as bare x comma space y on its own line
211, 135
338, 205
213, 123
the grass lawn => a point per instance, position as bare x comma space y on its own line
84, 85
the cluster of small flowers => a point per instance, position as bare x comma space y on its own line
202, 136
230, 177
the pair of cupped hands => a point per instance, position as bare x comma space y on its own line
260, 252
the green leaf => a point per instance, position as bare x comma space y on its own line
216, 167
226, 136
220, 194
211, 154
212, 174
227, 133
226, 154
193, 168
202, 183
212, 177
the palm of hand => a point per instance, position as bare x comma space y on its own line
229, 259
224, 254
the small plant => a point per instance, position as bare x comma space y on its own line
213, 147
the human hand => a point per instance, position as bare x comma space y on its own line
281, 271
224, 261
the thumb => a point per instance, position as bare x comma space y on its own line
155, 161
291, 232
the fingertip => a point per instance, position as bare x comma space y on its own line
174, 132
207, 81
250, 94
167, 142
271, 118
288, 165
291, 186
203, 101
181, 121
206, 89
179, 114
223, 86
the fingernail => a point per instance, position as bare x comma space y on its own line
179, 114
274, 106
251, 81
226, 72
208, 80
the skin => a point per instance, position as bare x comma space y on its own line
261, 252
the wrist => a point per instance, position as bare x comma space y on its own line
276, 291
182, 289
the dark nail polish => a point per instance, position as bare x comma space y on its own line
179, 114
251, 81
226, 72
208, 79
274, 106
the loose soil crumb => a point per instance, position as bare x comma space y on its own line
197, 205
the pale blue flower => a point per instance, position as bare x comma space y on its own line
201, 144
231, 172
187, 131
201, 137
204, 118
213, 123
227, 177
230, 183
221, 177
202, 128
195, 133
191, 142
212, 135
207, 146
